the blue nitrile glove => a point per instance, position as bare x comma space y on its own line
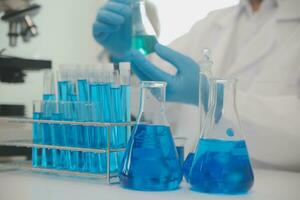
182, 87
112, 27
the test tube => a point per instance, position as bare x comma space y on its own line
48, 108
116, 116
125, 95
124, 114
67, 96
65, 161
49, 86
97, 137
106, 84
66, 86
36, 133
55, 134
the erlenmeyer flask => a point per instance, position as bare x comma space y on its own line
143, 33
204, 104
222, 163
151, 161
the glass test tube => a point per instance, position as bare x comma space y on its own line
36, 133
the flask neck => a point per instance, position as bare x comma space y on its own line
223, 121
141, 24
152, 103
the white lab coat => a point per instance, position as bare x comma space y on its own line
268, 93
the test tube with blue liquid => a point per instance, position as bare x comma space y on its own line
97, 134
124, 115
66, 95
36, 133
120, 100
48, 156
83, 115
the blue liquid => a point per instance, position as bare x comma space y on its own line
180, 152
187, 166
119, 113
48, 155
98, 135
49, 97
66, 93
36, 137
119, 134
151, 161
221, 167
82, 88
109, 104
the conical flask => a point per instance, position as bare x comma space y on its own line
143, 33
151, 162
221, 163
205, 75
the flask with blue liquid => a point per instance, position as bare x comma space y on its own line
151, 161
221, 163
205, 101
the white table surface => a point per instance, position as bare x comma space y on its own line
15, 185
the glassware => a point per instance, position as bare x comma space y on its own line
221, 163
204, 103
48, 108
205, 75
66, 86
151, 161
143, 33
180, 143
36, 133
49, 86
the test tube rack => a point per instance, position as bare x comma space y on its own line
108, 176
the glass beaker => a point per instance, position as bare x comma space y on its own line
151, 161
143, 33
221, 163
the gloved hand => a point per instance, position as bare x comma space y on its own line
112, 27
182, 87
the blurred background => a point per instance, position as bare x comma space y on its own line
63, 32
64, 36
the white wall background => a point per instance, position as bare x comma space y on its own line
177, 17
65, 27
65, 36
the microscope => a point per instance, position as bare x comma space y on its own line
14, 70
18, 14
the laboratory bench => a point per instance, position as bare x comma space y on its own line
15, 185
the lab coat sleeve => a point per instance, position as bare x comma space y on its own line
271, 125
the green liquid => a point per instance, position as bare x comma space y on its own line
144, 43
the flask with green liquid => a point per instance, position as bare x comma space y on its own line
143, 33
